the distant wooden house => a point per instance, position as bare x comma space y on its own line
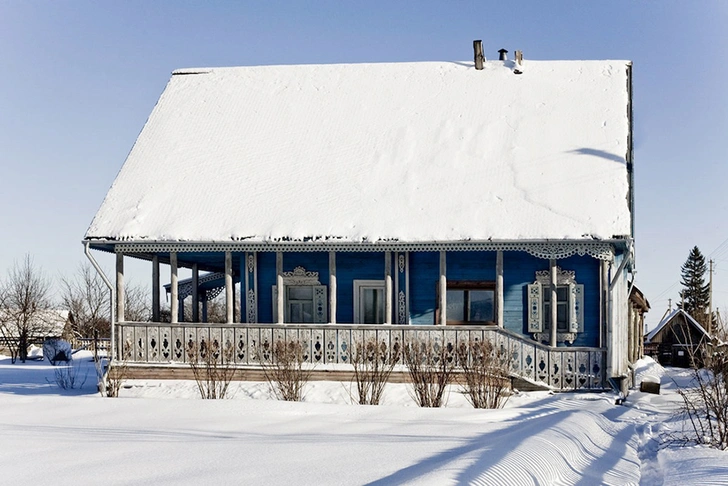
440, 200
677, 340
638, 307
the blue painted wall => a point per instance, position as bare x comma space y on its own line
352, 266
519, 270
424, 272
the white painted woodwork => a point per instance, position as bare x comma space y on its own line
499, 303
155, 289
443, 288
554, 302
387, 287
281, 290
229, 298
173, 288
120, 287
332, 287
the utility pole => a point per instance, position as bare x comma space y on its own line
710, 299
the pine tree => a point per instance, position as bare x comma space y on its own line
695, 294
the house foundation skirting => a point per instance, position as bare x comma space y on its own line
327, 347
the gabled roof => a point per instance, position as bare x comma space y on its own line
416, 152
670, 317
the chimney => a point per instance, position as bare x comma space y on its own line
479, 56
518, 69
502, 54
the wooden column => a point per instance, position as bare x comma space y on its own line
554, 303
173, 288
499, 288
279, 286
442, 287
229, 302
604, 301
120, 300
155, 289
387, 287
195, 293
332, 287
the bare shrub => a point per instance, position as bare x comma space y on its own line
705, 402
485, 379
430, 367
285, 370
212, 366
71, 375
373, 364
112, 377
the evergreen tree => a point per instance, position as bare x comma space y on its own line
695, 294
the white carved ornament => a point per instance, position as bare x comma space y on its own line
299, 276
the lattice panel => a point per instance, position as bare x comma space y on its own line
556, 369
140, 344
569, 374
542, 365
178, 344
317, 345
165, 344
343, 346
153, 344
330, 351
597, 367
241, 345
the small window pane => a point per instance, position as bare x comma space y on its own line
372, 303
481, 305
300, 293
456, 305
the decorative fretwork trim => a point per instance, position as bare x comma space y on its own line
563, 277
184, 289
545, 337
547, 250
299, 276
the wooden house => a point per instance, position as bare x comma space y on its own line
677, 340
446, 200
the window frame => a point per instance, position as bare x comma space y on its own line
360, 284
468, 286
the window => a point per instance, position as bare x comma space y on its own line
305, 299
368, 301
562, 308
299, 304
569, 302
470, 302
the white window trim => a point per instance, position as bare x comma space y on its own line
358, 284
536, 317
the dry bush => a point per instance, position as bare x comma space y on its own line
212, 366
485, 374
373, 364
430, 367
70, 376
705, 403
286, 371
113, 377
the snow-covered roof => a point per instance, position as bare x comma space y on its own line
426, 151
668, 318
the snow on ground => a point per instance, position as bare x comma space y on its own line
160, 432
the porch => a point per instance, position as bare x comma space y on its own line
328, 347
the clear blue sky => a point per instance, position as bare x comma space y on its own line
80, 78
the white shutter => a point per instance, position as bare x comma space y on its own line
320, 304
535, 308
577, 306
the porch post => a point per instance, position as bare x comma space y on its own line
173, 288
279, 286
443, 287
387, 287
604, 299
195, 293
554, 303
332, 287
499, 287
120, 287
229, 303
155, 288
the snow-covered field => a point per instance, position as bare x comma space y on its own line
159, 432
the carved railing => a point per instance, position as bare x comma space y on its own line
563, 368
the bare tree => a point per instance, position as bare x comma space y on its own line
87, 299
25, 307
137, 307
